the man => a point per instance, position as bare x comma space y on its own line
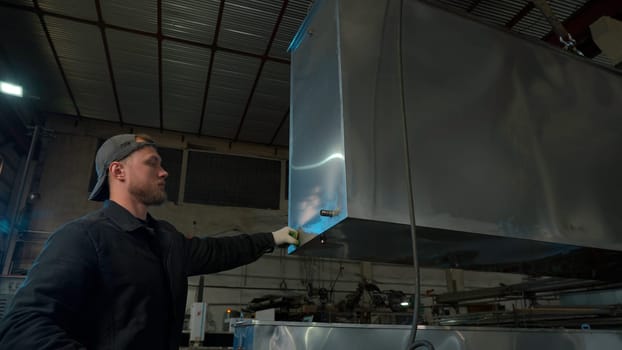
117, 278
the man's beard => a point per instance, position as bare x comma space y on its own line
149, 196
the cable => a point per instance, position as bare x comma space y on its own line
412, 343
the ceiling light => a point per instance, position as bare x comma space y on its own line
10, 89
404, 303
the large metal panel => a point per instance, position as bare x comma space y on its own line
184, 71
80, 50
22, 35
247, 24
190, 19
269, 103
528, 132
76, 8
264, 335
317, 143
497, 12
135, 65
135, 14
512, 144
230, 87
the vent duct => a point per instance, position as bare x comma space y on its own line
514, 146
607, 34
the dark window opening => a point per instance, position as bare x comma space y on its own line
171, 162
232, 181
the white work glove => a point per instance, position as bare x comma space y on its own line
282, 236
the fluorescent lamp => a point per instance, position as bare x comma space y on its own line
404, 303
11, 89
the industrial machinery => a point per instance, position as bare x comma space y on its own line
503, 152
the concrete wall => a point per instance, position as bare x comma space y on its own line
63, 196
69, 162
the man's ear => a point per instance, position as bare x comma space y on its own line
116, 170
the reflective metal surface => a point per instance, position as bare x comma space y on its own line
317, 160
258, 335
513, 144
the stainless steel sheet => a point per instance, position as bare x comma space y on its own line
508, 139
259, 335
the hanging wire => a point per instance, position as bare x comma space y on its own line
413, 343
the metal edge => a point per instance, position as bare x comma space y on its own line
300, 34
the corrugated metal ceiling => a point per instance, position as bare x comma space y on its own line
213, 67
190, 19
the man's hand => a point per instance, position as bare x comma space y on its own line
285, 235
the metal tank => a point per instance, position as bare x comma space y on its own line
513, 145
265, 335
512, 148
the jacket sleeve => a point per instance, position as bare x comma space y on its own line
45, 313
214, 254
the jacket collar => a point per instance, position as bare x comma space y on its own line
123, 218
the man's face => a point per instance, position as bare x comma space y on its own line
146, 177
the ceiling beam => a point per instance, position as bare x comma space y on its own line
141, 32
261, 65
160, 92
474, 4
102, 29
221, 10
276, 133
37, 10
93, 121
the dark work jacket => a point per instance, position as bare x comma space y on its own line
94, 284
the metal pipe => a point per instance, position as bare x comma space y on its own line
559, 29
10, 248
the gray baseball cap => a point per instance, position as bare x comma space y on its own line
114, 149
